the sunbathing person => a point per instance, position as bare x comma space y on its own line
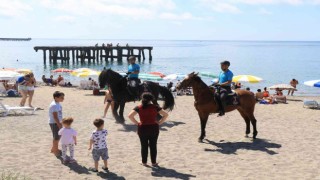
259, 95
52, 81
279, 97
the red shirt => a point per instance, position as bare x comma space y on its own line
148, 115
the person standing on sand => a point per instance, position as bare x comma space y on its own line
30, 88
55, 119
148, 127
68, 140
108, 101
22, 88
99, 143
293, 83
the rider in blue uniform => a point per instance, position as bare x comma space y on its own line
133, 76
225, 79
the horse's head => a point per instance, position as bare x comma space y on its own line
188, 81
108, 76
103, 78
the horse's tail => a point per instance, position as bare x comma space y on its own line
167, 97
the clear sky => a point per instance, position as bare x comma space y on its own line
162, 19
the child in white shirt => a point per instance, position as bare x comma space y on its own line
99, 143
68, 139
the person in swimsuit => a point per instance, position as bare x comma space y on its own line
108, 101
30, 88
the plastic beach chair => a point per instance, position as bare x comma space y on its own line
310, 104
6, 109
3, 90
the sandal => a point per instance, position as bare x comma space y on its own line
155, 164
105, 168
93, 169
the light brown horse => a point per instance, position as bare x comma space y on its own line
205, 103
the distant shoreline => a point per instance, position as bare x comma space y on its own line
15, 39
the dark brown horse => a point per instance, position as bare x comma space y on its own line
205, 103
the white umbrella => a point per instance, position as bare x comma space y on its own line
9, 75
313, 83
174, 77
282, 87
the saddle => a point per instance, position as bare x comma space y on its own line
232, 99
135, 88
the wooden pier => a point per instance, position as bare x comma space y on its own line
15, 39
92, 54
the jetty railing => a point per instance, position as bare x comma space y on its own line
92, 54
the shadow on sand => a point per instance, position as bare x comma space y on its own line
163, 127
232, 147
169, 173
110, 175
75, 167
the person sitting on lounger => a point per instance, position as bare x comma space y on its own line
279, 97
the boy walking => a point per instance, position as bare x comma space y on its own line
55, 119
99, 143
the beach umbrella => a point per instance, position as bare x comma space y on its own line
82, 70
61, 70
86, 74
9, 75
313, 83
149, 77
246, 78
24, 71
157, 74
8, 69
208, 74
174, 77
282, 87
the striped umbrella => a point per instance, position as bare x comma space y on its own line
313, 83
86, 74
24, 71
246, 78
61, 70
208, 74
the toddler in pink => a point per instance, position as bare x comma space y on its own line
68, 139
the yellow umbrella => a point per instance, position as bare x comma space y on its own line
246, 78
86, 74
24, 71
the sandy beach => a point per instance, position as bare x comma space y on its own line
287, 146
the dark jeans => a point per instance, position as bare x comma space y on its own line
149, 141
222, 96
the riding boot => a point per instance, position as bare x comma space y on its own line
222, 109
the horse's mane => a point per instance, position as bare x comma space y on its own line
199, 80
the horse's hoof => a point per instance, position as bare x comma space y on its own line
200, 140
246, 136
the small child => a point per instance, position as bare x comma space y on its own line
108, 101
68, 139
98, 140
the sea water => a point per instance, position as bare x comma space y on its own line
274, 61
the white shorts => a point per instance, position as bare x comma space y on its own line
22, 88
30, 88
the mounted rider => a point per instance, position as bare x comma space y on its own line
133, 76
225, 79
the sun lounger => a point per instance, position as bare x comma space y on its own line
6, 110
310, 104
3, 90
